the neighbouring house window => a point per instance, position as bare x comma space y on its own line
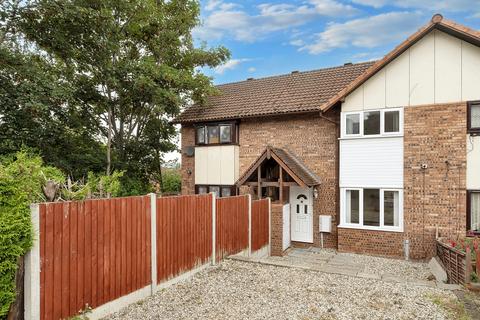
392, 121
217, 133
371, 122
473, 223
220, 191
352, 122
372, 208
474, 117
353, 206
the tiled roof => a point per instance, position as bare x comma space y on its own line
437, 22
288, 161
292, 93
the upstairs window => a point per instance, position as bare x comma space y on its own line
216, 133
384, 122
474, 117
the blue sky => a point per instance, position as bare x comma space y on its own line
269, 37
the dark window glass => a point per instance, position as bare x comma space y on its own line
202, 189
391, 208
226, 191
353, 123
475, 116
214, 189
392, 121
371, 207
353, 206
371, 122
213, 134
200, 135
226, 134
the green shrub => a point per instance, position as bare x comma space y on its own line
21, 179
172, 181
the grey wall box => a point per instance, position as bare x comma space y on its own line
189, 151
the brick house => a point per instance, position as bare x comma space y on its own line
382, 156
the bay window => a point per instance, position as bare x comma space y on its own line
216, 133
372, 208
373, 123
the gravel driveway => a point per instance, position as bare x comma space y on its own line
243, 290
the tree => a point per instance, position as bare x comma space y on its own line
38, 108
134, 63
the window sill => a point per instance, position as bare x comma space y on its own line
370, 228
399, 135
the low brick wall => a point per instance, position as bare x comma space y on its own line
371, 242
277, 229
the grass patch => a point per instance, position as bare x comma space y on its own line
454, 308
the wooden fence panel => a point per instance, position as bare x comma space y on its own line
231, 225
88, 250
260, 223
184, 234
453, 261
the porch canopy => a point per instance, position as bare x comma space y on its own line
274, 171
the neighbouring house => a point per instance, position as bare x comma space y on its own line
383, 156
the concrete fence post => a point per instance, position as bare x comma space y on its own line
153, 212
249, 197
269, 226
32, 270
214, 226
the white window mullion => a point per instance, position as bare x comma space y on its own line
360, 219
382, 204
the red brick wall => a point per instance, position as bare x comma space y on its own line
188, 163
313, 140
277, 230
378, 243
434, 197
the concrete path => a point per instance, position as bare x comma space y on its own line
354, 265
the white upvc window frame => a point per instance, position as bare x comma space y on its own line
382, 124
382, 227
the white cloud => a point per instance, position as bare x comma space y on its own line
430, 5
368, 32
297, 42
229, 65
225, 18
252, 69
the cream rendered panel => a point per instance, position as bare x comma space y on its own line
422, 72
237, 163
216, 165
473, 163
397, 81
470, 72
448, 68
354, 101
201, 168
374, 91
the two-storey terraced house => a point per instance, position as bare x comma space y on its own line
386, 153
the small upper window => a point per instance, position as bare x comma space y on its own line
392, 121
371, 122
352, 122
474, 117
216, 133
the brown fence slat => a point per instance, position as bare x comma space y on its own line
260, 223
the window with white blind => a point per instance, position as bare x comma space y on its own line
473, 217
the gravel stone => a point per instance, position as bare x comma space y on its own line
243, 290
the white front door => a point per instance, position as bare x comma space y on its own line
301, 208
